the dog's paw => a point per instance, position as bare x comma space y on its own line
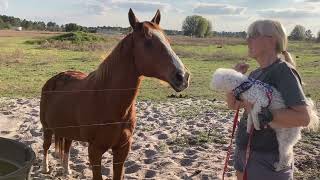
280, 166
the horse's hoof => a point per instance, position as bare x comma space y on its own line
45, 170
67, 171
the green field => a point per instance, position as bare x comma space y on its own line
24, 67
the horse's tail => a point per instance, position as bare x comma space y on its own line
50, 85
59, 143
314, 118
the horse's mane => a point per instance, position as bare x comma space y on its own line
102, 71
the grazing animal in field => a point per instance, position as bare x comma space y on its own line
227, 80
99, 108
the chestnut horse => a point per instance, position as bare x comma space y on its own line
99, 108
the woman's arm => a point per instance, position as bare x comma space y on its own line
297, 112
295, 116
232, 102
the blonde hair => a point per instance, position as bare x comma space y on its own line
276, 30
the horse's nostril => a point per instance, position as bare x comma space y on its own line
187, 75
179, 76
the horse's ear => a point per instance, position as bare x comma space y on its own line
156, 18
132, 19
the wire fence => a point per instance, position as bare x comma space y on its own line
189, 170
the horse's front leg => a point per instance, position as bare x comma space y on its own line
120, 155
95, 155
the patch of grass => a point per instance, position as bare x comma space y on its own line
200, 138
212, 53
162, 147
15, 56
216, 41
147, 128
75, 41
78, 37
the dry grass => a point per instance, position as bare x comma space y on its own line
16, 56
211, 56
219, 41
106, 43
13, 33
78, 47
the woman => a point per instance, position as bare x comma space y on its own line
267, 42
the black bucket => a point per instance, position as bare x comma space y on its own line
16, 160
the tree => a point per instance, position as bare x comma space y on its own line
318, 37
189, 25
39, 25
209, 30
72, 27
202, 27
196, 26
52, 26
309, 35
298, 33
2, 24
26, 24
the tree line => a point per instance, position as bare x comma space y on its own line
195, 25
299, 33
8, 22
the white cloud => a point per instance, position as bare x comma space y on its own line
289, 13
100, 7
3, 5
218, 9
312, 1
143, 6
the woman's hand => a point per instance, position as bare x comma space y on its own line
241, 67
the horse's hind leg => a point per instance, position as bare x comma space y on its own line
65, 158
47, 138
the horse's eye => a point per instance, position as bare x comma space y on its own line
148, 43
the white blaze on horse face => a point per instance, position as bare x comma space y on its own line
175, 59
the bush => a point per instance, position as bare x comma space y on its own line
196, 26
77, 41
77, 37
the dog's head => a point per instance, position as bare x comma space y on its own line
226, 79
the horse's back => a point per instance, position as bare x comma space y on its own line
61, 80
55, 94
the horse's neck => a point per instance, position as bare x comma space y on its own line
118, 71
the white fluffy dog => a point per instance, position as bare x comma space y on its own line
227, 80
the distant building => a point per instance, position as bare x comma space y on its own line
19, 28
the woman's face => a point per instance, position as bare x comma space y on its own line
260, 45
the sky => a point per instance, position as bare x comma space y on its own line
225, 15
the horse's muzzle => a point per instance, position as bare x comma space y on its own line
180, 81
